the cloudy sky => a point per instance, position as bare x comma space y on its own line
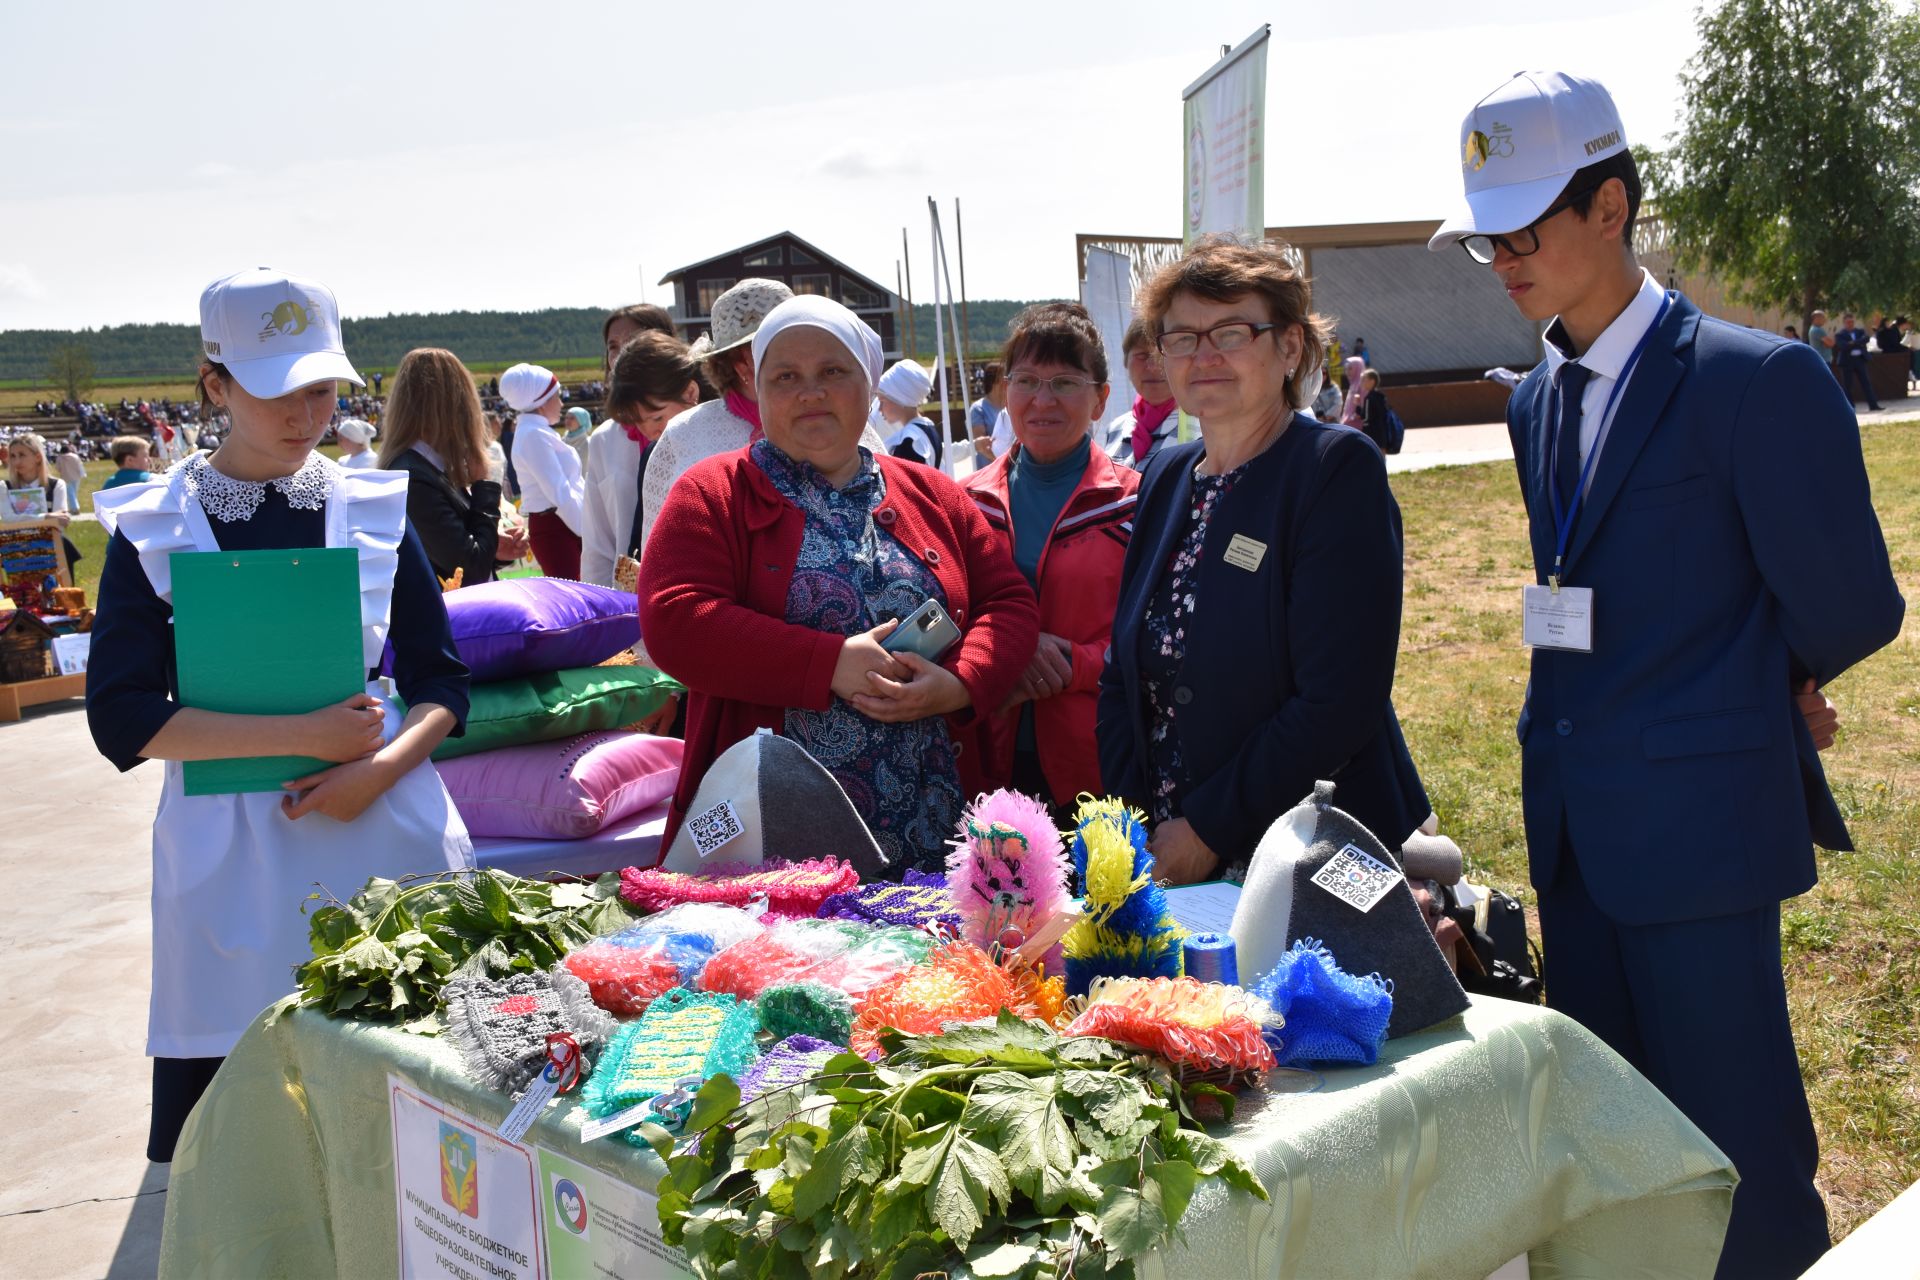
434, 156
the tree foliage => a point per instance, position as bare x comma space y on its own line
1796, 176
70, 368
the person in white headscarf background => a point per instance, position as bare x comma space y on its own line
552, 484
355, 435
725, 353
776, 573
896, 414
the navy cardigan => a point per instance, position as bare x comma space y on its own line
1288, 671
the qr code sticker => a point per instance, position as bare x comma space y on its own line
1357, 878
714, 828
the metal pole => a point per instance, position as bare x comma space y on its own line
900, 326
939, 339
906, 256
966, 326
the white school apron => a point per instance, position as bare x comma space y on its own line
231, 873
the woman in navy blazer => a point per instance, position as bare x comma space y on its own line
1259, 612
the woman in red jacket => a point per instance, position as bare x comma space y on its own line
774, 573
1064, 509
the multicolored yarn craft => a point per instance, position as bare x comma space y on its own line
806, 1008
917, 902
1331, 1015
623, 980
790, 888
792, 1062
683, 1035
1126, 929
784, 953
959, 982
501, 1025
880, 955
1202, 1025
1007, 872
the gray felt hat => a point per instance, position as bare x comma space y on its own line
765, 797
1318, 873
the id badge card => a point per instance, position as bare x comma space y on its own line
1560, 619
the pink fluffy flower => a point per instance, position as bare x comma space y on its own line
1008, 870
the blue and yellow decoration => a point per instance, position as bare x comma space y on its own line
1126, 929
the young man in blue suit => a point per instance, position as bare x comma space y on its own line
1706, 557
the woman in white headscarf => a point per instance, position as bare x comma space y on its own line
774, 575
355, 435
896, 414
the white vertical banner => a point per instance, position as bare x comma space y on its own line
1226, 134
1107, 294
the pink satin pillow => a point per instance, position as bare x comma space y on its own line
564, 790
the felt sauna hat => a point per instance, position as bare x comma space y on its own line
765, 797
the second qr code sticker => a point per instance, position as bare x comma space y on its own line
1356, 877
714, 828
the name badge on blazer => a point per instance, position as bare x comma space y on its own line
1245, 553
1561, 619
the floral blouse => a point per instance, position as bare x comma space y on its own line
1163, 643
852, 575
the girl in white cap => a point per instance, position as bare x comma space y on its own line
231, 872
355, 434
552, 486
896, 413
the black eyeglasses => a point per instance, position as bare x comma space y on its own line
1182, 343
1522, 243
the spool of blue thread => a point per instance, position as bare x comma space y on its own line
1210, 957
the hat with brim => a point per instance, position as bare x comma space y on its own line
737, 314
1500, 210
275, 333
274, 376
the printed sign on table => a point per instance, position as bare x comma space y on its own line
468, 1203
598, 1226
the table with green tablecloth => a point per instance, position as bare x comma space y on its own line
327, 1148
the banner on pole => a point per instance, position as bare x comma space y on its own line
1107, 294
1226, 117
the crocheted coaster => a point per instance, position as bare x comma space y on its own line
921, 900
783, 953
1204, 1025
501, 1025
806, 1008
1331, 1015
792, 1062
683, 1033
623, 980
958, 983
1126, 929
790, 888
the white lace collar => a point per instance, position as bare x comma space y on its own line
228, 500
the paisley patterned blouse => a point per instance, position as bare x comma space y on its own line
851, 576
1163, 643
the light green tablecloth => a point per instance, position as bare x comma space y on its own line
1507, 1130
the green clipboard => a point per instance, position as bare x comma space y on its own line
264, 633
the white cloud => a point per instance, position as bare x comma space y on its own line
18, 283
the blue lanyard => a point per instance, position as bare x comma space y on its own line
1565, 520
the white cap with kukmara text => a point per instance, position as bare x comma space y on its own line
1521, 143
275, 333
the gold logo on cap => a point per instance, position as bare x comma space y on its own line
287, 320
1482, 147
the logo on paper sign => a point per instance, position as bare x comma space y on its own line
570, 1205
287, 320
459, 1170
1482, 147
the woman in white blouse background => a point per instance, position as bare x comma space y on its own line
552, 486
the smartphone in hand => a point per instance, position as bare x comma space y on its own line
927, 631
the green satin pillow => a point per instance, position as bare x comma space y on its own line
558, 704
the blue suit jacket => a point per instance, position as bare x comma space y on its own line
1288, 669
1730, 541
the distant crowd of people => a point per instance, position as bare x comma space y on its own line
1846, 349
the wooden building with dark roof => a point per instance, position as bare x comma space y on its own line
801, 266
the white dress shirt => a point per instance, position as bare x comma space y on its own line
613, 489
1606, 359
549, 471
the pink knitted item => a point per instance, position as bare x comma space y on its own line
790, 888
1188, 1022
1008, 871
779, 955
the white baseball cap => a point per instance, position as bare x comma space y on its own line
1521, 143
274, 332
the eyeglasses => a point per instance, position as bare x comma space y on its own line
1062, 385
1522, 243
1181, 343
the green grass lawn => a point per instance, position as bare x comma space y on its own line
1852, 945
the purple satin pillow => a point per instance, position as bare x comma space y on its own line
523, 626
565, 790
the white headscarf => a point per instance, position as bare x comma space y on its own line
853, 333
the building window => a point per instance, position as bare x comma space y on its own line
821, 284
801, 258
856, 296
709, 291
767, 258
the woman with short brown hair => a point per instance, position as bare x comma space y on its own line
436, 432
652, 380
1259, 613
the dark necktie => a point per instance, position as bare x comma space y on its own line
1566, 416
